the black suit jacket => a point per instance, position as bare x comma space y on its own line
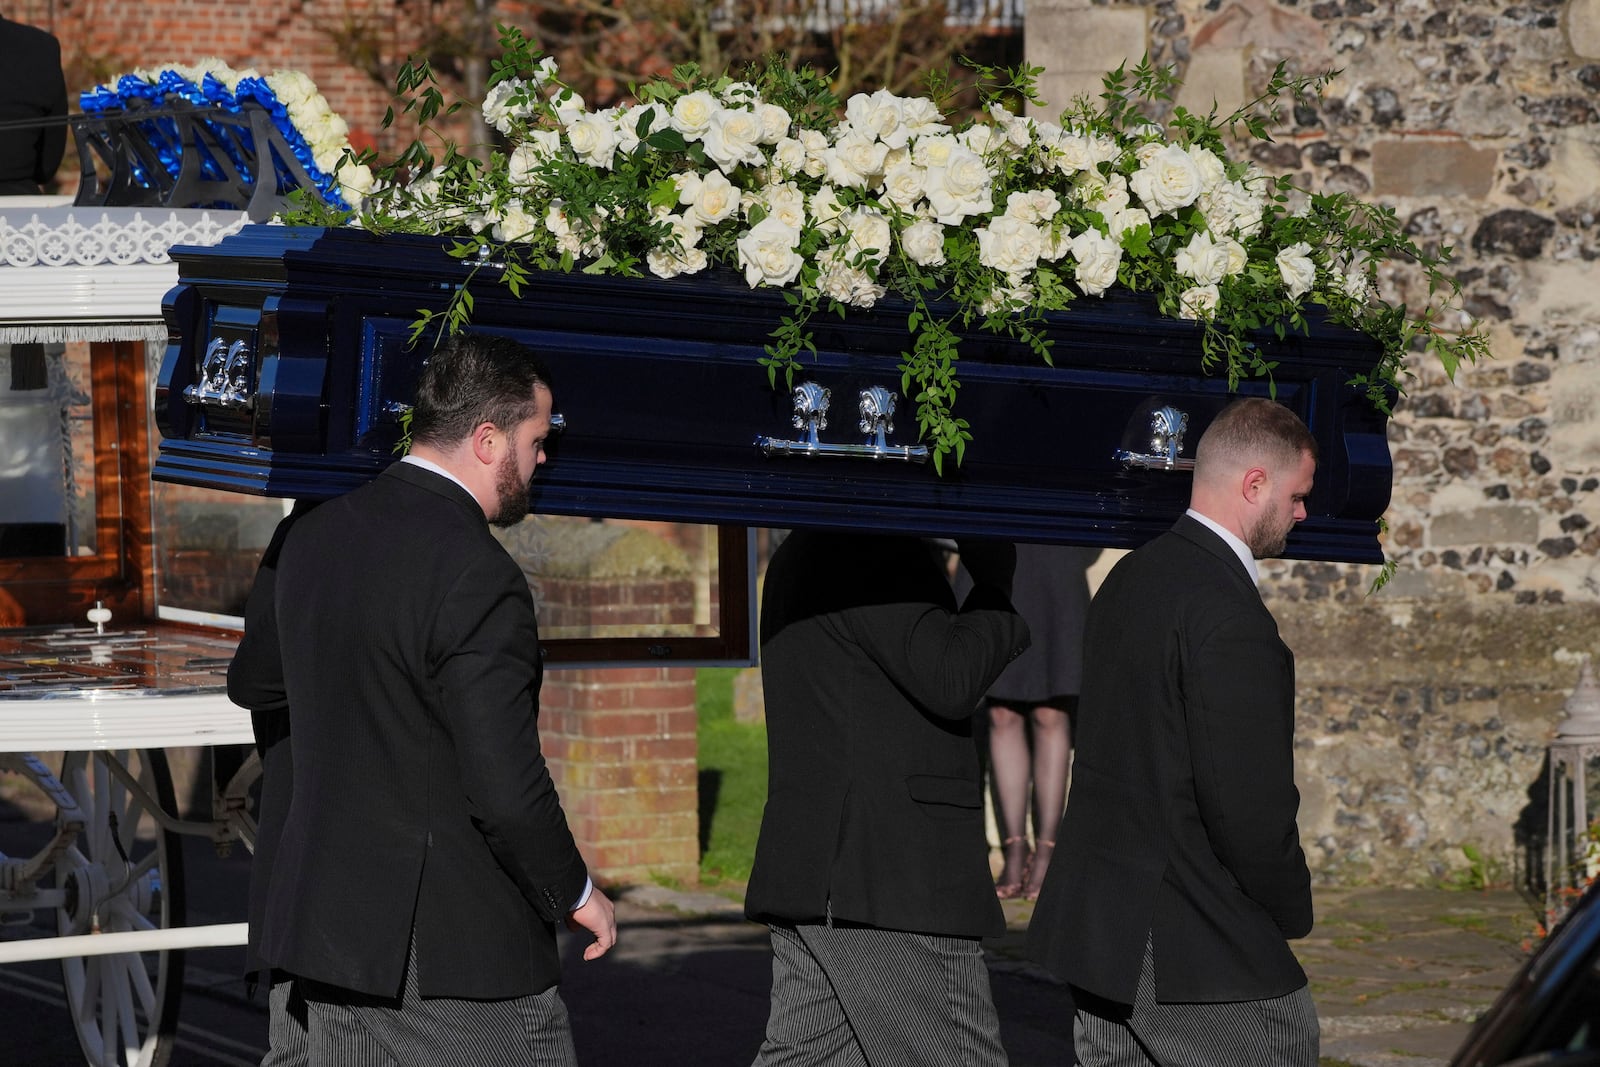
1181, 821
31, 87
871, 674
252, 677
410, 669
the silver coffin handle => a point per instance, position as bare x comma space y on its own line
876, 406
1167, 426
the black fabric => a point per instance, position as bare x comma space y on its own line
1181, 824
410, 669
31, 87
871, 672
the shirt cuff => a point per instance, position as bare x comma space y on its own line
583, 897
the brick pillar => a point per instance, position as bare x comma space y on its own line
621, 742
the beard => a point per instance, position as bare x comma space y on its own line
511, 494
1268, 537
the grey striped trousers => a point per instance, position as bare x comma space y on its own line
353, 1030
1281, 1032
852, 996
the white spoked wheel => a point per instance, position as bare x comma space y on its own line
124, 873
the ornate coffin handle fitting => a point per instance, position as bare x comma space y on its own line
876, 406
224, 377
1167, 426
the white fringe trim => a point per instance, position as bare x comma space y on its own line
117, 331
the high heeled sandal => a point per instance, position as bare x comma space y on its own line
1030, 891
1012, 890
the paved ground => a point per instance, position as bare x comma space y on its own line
1397, 975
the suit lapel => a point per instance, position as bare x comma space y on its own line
1200, 534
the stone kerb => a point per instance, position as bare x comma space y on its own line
621, 742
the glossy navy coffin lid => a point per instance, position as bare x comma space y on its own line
289, 365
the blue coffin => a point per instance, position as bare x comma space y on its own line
289, 365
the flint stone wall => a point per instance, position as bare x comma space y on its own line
1424, 711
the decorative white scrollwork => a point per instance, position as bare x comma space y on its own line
52, 238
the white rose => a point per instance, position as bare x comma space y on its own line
981, 139
1057, 242
847, 284
817, 148
739, 93
1008, 244
688, 184
1019, 132
1236, 256
628, 118
1033, 205
1168, 181
856, 159
1198, 302
826, 209
878, 116
775, 122
355, 180
515, 224
1105, 195
593, 137
1098, 258
715, 200
685, 233
1297, 269
767, 253
545, 72
922, 117
566, 103
866, 233
732, 137
961, 187
1202, 260
788, 158
1071, 153
1124, 222
903, 184
1212, 172
923, 243
691, 113
665, 263
1144, 152
498, 111
1217, 207
1007, 298
786, 202
527, 156
1357, 284
933, 151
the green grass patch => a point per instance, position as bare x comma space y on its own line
733, 780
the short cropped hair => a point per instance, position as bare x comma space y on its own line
472, 379
1253, 430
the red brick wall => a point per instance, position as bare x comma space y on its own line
622, 743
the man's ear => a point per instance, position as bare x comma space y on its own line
486, 443
1254, 484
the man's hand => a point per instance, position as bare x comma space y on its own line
599, 918
989, 562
